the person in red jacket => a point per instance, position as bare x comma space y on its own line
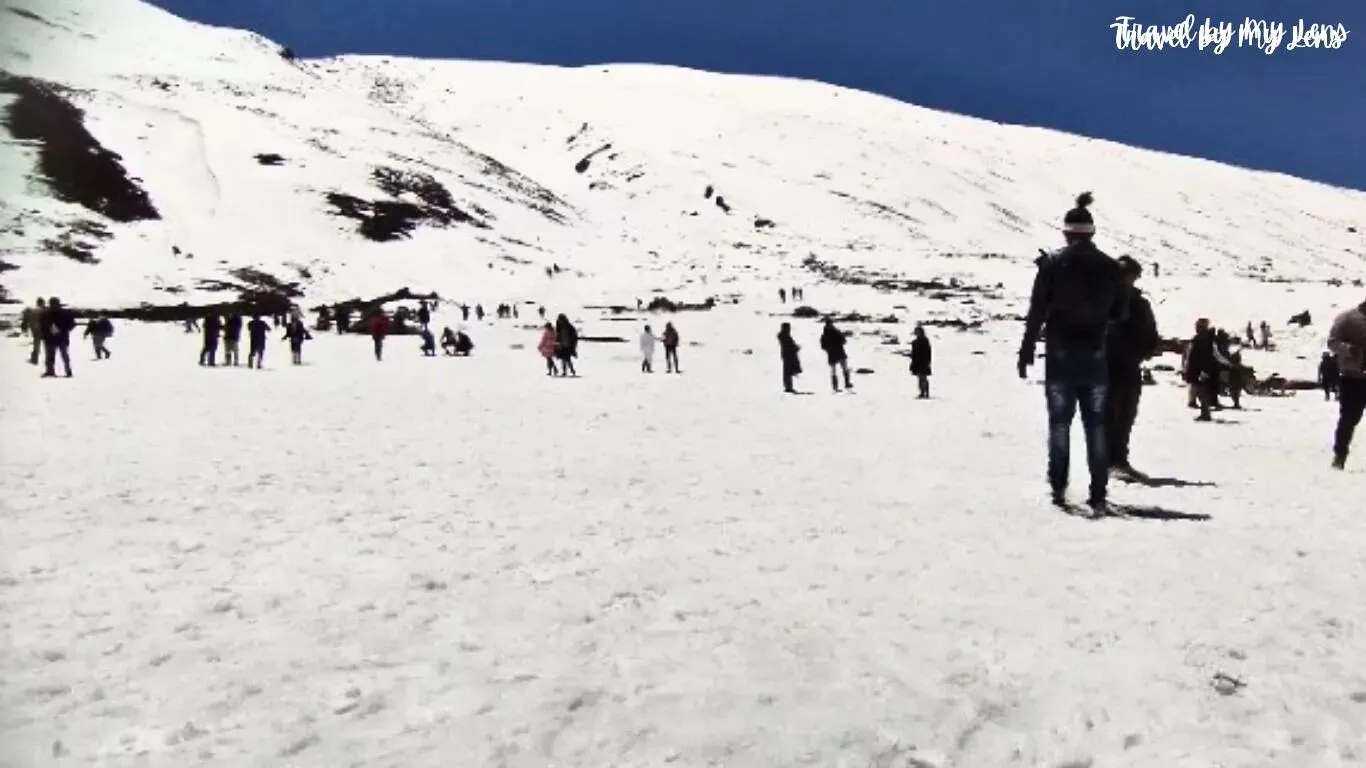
379, 328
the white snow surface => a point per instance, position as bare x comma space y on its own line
437, 562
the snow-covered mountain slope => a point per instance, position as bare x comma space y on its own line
250, 159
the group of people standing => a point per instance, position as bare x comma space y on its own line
834, 343
1098, 328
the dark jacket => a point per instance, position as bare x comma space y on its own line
1078, 291
790, 352
232, 329
1132, 340
58, 323
297, 333
213, 327
920, 356
1328, 371
1202, 360
566, 340
833, 341
257, 329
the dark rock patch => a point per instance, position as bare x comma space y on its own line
361, 308
176, 313
762, 223
78, 241
287, 53
721, 203
707, 193
934, 289
387, 220
72, 163
603, 339
586, 161
5, 266
253, 285
542, 200
269, 158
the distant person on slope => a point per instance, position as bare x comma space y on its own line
424, 316
257, 331
98, 331
58, 323
647, 350
790, 352
1347, 339
782, 295
833, 342
1329, 376
428, 342
547, 349
1077, 293
921, 354
32, 322
379, 328
232, 338
671, 349
566, 345
213, 329
1129, 342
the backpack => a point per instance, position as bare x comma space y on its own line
1084, 288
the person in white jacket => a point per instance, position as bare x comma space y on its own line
647, 350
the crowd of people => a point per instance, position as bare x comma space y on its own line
1098, 328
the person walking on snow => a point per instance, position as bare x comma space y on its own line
566, 345
257, 331
647, 350
1129, 342
424, 314
790, 353
428, 342
31, 322
296, 333
1204, 363
232, 338
833, 343
1077, 293
1329, 376
546, 347
671, 349
1347, 339
58, 323
98, 331
213, 329
920, 361
379, 328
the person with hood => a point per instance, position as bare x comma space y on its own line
647, 350
1329, 376
98, 331
1204, 363
921, 354
232, 337
833, 342
58, 323
1347, 339
296, 333
257, 331
213, 330
448, 341
1077, 293
566, 345
671, 349
379, 328
424, 315
428, 342
790, 353
1129, 342
32, 322
546, 347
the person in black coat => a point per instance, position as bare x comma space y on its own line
1203, 366
1129, 342
213, 329
257, 330
921, 354
98, 331
790, 352
1329, 376
833, 342
57, 324
566, 345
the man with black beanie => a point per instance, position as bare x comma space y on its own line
1129, 342
1077, 293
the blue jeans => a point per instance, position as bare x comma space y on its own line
1063, 398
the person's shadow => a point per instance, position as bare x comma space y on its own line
1138, 478
1155, 513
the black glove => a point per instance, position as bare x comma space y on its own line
1026, 360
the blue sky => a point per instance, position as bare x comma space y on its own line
1039, 62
